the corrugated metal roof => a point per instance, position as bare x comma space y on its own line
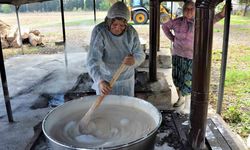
20, 2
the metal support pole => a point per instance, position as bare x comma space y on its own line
64, 34
94, 7
63, 23
171, 11
224, 56
19, 28
154, 31
5, 85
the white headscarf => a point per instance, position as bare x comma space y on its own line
119, 9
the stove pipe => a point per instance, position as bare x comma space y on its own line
203, 37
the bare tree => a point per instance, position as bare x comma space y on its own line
247, 4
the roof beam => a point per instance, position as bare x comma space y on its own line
20, 2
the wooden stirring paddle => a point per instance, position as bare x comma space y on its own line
86, 118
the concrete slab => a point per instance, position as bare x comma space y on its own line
28, 76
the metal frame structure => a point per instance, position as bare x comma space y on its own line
201, 60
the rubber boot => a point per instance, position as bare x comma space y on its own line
180, 100
186, 109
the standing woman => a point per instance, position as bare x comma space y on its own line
114, 42
182, 52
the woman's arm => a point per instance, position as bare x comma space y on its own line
136, 53
220, 15
166, 27
95, 54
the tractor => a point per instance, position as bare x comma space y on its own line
140, 12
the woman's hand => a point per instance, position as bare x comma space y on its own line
104, 87
129, 60
222, 13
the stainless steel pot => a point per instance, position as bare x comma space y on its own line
80, 106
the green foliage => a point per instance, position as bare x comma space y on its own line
47, 6
100, 4
244, 29
237, 85
217, 30
5, 8
219, 7
73, 5
245, 58
216, 55
233, 114
244, 2
239, 12
104, 5
89, 4
235, 76
236, 103
238, 20
238, 118
237, 79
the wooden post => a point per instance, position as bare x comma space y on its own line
154, 35
19, 28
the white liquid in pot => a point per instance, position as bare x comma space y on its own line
111, 125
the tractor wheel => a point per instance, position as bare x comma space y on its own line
140, 17
164, 18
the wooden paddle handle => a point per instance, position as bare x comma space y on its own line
98, 101
117, 74
100, 98
111, 83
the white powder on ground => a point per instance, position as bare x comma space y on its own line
164, 147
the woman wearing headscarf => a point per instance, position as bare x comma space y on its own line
114, 42
182, 51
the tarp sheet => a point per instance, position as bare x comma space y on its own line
20, 2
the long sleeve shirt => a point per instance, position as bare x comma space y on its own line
183, 37
107, 52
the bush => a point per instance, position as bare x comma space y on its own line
233, 114
5, 8
89, 4
104, 5
238, 12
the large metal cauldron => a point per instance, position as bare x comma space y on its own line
80, 106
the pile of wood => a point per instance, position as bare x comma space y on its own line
10, 36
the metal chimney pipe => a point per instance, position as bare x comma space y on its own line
201, 71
